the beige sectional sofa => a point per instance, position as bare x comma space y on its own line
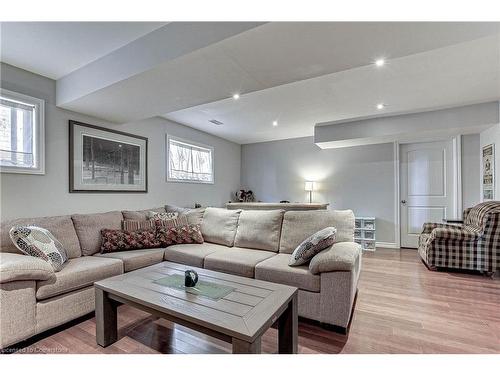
254, 244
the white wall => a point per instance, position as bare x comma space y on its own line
33, 195
358, 178
471, 180
487, 137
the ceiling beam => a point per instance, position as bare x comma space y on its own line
158, 47
422, 126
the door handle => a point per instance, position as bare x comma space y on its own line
403, 202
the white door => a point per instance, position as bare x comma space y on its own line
427, 187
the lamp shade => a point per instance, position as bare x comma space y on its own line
309, 186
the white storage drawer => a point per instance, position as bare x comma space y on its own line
365, 232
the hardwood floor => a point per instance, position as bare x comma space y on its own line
401, 308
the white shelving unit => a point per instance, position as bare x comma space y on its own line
364, 232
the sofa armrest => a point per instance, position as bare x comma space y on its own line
14, 267
457, 233
429, 227
341, 256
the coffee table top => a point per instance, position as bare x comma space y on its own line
245, 313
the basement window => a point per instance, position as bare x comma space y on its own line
189, 161
21, 133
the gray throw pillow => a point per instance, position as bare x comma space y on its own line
179, 210
39, 243
193, 215
312, 245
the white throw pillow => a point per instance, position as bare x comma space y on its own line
312, 245
39, 243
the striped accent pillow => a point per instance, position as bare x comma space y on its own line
132, 225
477, 214
172, 223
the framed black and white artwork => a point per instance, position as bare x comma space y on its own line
489, 172
106, 161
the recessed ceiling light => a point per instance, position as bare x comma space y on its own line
275, 123
380, 62
380, 106
236, 96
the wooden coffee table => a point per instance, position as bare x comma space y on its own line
240, 318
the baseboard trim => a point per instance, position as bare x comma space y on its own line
387, 245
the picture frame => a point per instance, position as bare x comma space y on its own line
488, 175
103, 160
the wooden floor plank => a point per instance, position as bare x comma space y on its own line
402, 307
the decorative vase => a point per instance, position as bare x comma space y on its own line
190, 278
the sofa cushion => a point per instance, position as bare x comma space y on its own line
134, 259
298, 225
78, 273
235, 260
259, 229
39, 243
88, 229
277, 270
195, 216
140, 215
340, 256
191, 254
219, 225
61, 228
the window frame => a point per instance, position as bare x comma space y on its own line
168, 138
38, 133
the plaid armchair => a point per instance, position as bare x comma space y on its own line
475, 245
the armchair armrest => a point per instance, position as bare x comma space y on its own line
429, 227
463, 233
341, 256
23, 267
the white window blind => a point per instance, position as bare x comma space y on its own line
20, 133
189, 162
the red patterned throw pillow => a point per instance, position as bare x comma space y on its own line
180, 234
121, 240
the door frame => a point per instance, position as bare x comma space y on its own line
457, 181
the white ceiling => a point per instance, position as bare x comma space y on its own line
262, 57
460, 74
297, 73
55, 49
